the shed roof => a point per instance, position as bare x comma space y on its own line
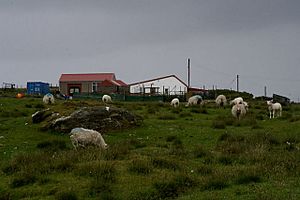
113, 82
159, 78
87, 77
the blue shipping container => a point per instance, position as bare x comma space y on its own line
39, 88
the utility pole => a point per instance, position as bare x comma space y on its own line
265, 91
237, 83
189, 72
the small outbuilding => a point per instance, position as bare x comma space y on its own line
166, 85
37, 88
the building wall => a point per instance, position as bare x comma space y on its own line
167, 86
87, 87
63, 88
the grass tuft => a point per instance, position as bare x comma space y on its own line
66, 195
140, 166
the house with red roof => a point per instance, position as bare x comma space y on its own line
88, 83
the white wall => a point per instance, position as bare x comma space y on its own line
172, 84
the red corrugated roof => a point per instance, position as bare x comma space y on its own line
121, 83
87, 77
113, 82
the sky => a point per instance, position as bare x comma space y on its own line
259, 40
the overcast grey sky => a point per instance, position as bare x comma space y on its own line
145, 39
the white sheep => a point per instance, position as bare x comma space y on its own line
175, 102
48, 99
237, 100
221, 100
246, 105
274, 108
106, 99
84, 137
194, 100
238, 110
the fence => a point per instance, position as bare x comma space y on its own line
125, 97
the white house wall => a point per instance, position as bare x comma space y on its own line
172, 84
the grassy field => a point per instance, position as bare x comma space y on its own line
183, 153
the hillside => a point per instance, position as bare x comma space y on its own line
184, 153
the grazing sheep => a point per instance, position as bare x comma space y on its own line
175, 102
274, 108
194, 100
48, 99
221, 100
106, 99
237, 100
84, 137
238, 110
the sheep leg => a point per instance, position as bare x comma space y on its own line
280, 113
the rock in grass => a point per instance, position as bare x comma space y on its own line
100, 119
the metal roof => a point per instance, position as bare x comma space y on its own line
159, 78
87, 77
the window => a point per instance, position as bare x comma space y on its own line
94, 87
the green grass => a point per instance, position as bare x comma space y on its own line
182, 153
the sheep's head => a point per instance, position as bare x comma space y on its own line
105, 146
269, 103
